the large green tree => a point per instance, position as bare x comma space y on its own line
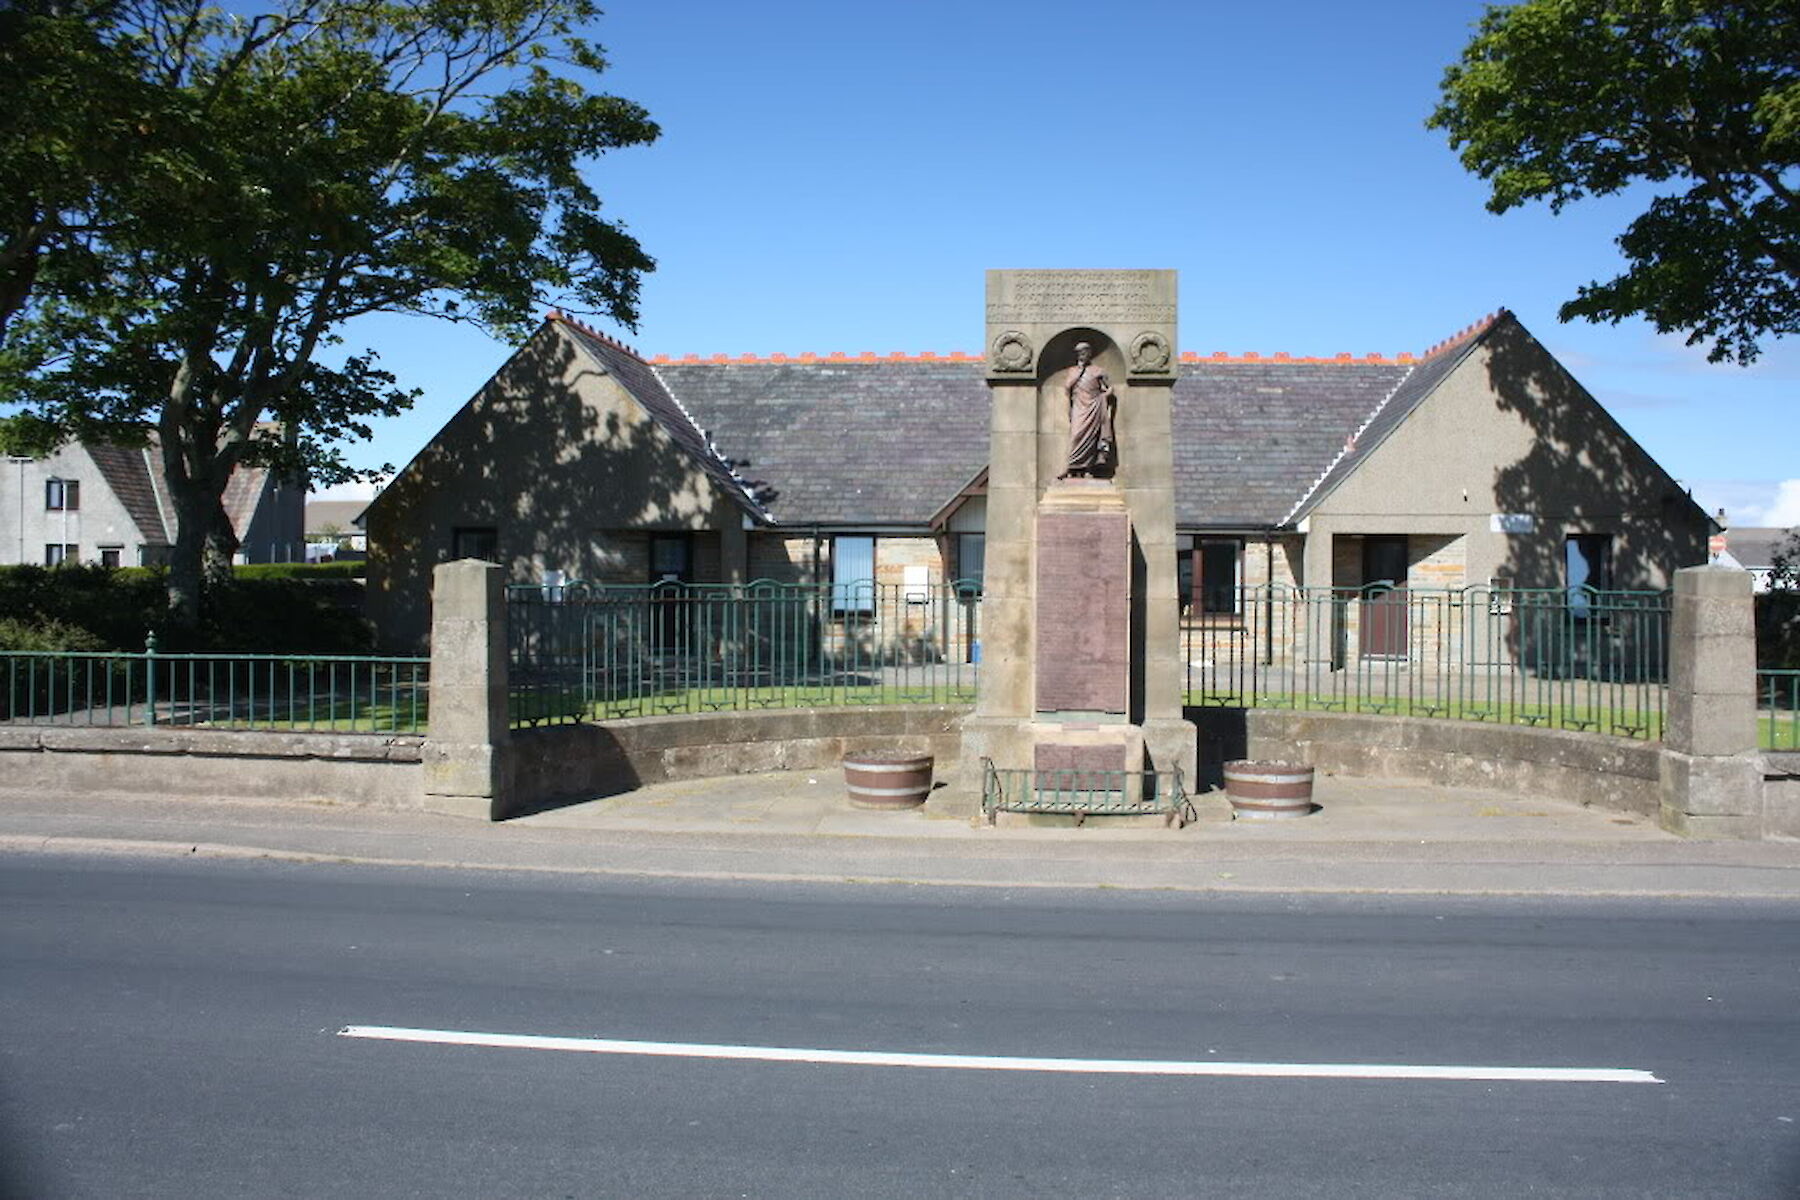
1696, 101
290, 170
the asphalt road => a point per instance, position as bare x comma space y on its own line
172, 1029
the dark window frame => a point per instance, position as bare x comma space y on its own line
659, 575
461, 537
62, 495
1216, 601
971, 584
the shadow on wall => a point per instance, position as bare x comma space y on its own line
553, 458
1583, 474
559, 766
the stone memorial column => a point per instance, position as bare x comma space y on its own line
1081, 647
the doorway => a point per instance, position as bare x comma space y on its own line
1384, 601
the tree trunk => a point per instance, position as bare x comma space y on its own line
204, 545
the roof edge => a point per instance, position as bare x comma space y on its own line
1458, 345
741, 495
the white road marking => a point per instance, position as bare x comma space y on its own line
984, 1062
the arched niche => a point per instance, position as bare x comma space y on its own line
1057, 356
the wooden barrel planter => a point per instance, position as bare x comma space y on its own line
885, 779
1266, 790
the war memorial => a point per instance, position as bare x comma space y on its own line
1081, 691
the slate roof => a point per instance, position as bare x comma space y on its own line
1250, 438
1753, 546
642, 381
327, 514
887, 441
132, 474
243, 492
847, 443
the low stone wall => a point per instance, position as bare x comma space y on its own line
1583, 768
563, 762
239, 765
1781, 794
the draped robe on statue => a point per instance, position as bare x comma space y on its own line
1090, 419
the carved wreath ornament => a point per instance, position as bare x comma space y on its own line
1012, 352
1150, 353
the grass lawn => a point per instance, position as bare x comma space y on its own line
533, 707
1778, 730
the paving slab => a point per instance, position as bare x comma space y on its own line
1367, 836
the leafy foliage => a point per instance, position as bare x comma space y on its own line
1784, 562
201, 200
1555, 100
91, 608
49, 635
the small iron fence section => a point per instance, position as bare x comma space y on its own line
317, 693
1083, 792
580, 652
1580, 660
1778, 710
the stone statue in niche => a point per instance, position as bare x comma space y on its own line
1091, 404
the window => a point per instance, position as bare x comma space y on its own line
971, 561
1207, 573
853, 575
110, 556
62, 495
475, 541
56, 554
1219, 577
1587, 568
671, 558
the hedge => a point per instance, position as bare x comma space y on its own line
305, 611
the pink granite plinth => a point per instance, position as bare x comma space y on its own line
1084, 607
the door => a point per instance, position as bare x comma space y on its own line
1384, 622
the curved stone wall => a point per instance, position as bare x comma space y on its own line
1583, 768
562, 762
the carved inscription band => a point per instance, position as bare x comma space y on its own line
1055, 296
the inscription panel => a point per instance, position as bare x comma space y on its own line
1083, 612
1062, 297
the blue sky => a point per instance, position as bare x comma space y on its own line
839, 176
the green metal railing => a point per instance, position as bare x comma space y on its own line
1582, 660
312, 693
1083, 792
580, 652
1778, 710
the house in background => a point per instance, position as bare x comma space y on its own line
1481, 462
1751, 548
334, 530
92, 503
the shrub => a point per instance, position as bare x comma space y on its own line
1778, 630
46, 635
286, 616
321, 571
114, 607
